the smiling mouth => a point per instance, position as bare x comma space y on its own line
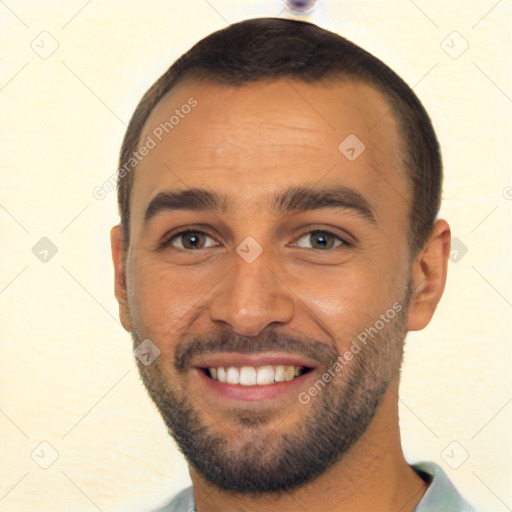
255, 375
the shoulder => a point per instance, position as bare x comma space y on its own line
182, 502
441, 495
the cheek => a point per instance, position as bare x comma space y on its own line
160, 301
346, 299
168, 302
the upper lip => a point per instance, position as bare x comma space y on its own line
256, 359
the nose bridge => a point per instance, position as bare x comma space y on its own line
251, 297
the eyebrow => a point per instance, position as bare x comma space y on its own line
294, 199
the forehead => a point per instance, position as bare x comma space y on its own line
251, 141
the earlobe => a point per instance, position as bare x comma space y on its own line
428, 276
120, 289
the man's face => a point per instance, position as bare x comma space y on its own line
209, 299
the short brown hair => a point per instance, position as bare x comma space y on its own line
275, 48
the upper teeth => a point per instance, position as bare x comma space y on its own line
252, 376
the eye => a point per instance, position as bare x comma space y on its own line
189, 240
193, 240
322, 240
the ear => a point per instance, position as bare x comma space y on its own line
428, 275
120, 289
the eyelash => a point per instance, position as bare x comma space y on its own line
168, 242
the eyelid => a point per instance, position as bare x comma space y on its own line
344, 242
176, 234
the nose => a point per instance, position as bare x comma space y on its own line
251, 297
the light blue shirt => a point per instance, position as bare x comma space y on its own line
441, 495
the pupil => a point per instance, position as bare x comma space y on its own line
193, 240
321, 239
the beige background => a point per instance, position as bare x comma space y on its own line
67, 375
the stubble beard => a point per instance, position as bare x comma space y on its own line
266, 460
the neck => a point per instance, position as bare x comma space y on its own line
372, 475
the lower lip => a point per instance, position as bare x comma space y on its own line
254, 393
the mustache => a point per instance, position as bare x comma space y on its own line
223, 342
